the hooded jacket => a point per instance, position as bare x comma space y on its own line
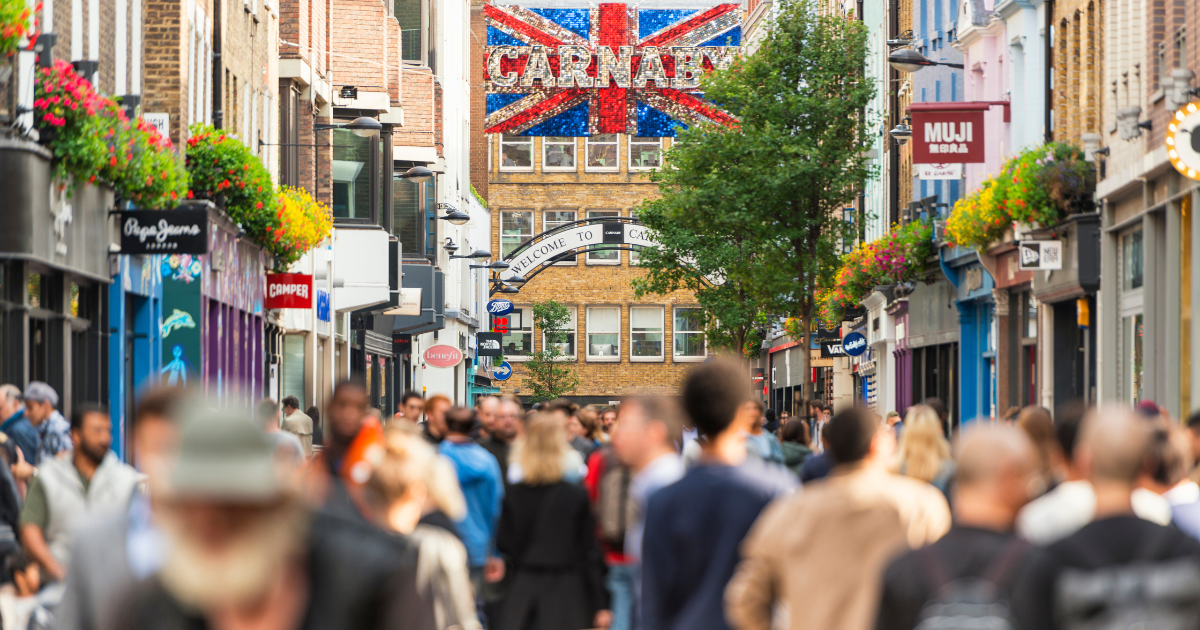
483, 489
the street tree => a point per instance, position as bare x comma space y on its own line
546, 374
771, 188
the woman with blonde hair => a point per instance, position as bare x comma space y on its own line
417, 495
924, 451
546, 531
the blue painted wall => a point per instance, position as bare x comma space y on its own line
138, 287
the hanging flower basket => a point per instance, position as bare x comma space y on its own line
894, 258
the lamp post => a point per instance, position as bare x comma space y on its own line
909, 60
902, 132
453, 215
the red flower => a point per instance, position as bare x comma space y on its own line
189, 194
175, 196
112, 161
258, 205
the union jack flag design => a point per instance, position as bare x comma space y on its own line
609, 69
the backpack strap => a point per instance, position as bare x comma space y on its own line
1004, 564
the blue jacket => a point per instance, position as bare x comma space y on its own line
483, 489
24, 434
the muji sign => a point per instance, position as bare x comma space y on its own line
288, 290
948, 133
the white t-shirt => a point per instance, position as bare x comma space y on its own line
1067, 508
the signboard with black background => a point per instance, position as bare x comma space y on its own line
614, 233
164, 231
489, 344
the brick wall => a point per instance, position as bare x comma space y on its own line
581, 284
1078, 69
164, 62
417, 97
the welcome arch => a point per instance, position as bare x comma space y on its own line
569, 240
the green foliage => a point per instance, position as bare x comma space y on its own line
898, 256
479, 197
224, 170
546, 374
14, 24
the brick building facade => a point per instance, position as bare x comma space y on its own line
622, 345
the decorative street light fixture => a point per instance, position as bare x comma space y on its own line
364, 127
418, 174
909, 60
455, 216
450, 247
902, 132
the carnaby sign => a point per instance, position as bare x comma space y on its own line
539, 252
945, 133
164, 232
443, 356
288, 290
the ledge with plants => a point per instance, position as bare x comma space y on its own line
899, 256
15, 16
1039, 187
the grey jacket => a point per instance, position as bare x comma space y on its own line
99, 577
69, 506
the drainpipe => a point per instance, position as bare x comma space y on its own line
217, 73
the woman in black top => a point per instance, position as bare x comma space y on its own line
546, 531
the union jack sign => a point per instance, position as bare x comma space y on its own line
609, 69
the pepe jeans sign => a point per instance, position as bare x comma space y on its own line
945, 133
164, 232
541, 252
288, 290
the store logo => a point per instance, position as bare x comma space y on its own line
499, 307
288, 290
299, 290
443, 356
854, 344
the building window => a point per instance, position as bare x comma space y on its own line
559, 154
645, 153
610, 257
1132, 381
408, 14
557, 218
603, 152
293, 367
516, 228
689, 334
1131, 246
1031, 316
1181, 48
645, 333
518, 343
351, 176
604, 333
516, 153
566, 340
408, 215
1164, 65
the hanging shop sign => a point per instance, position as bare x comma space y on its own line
757, 375
499, 306
1183, 140
164, 232
443, 356
581, 71
831, 350
1040, 255
502, 372
854, 344
288, 290
939, 171
948, 132
551, 245
488, 344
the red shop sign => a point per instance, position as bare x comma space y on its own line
443, 356
288, 290
948, 133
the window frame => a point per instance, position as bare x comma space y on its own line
604, 261
528, 237
644, 141
532, 154
573, 261
574, 332
547, 142
615, 357
526, 314
587, 154
662, 333
676, 333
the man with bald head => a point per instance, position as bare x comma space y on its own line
996, 468
1119, 570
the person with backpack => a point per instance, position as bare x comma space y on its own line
1119, 571
969, 575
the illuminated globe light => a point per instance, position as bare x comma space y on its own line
1185, 153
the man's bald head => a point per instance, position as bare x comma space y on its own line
984, 453
1113, 443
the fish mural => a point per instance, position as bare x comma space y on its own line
178, 319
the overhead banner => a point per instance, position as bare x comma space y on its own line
606, 68
944, 133
164, 231
288, 290
550, 246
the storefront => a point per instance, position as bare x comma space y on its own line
135, 340
881, 338
977, 334
1016, 312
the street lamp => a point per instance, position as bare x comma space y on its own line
450, 247
364, 127
418, 174
902, 132
455, 216
475, 254
909, 60
517, 279
508, 288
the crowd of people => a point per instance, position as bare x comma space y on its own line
702, 511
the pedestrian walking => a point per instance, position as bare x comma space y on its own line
318, 432
607, 482
500, 437
411, 406
336, 476
400, 480
818, 465
482, 487
820, 553
795, 445
1118, 571
66, 494
298, 424
608, 419
486, 408
53, 430
761, 441
435, 418
547, 531
287, 447
1168, 461
694, 527
940, 585
20, 438
245, 552
924, 451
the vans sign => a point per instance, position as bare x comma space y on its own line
288, 290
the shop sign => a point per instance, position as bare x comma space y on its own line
939, 171
499, 306
1040, 255
502, 372
551, 246
756, 376
288, 290
488, 344
443, 356
322, 305
401, 343
854, 344
164, 232
1183, 140
948, 135
832, 350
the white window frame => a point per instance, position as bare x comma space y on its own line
526, 329
561, 263
502, 235
679, 358
633, 249
573, 330
647, 142
616, 355
604, 261
587, 153
555, 141
532, 154
662, 334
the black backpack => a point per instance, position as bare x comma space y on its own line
970, 603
